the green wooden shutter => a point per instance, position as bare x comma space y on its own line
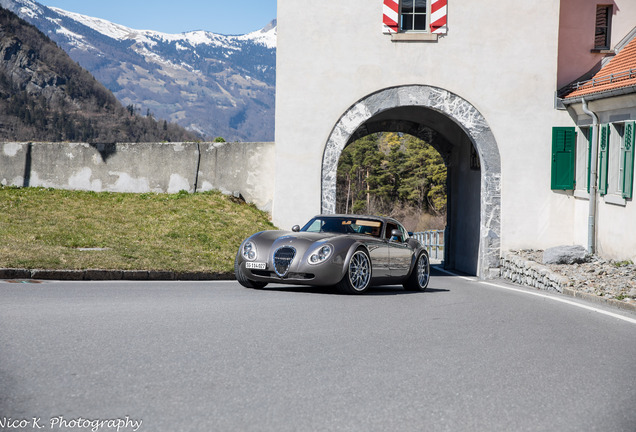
603, 158
563, 157
628, 160
590, 133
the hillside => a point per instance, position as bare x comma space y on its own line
59, 229
213, 84
46, 96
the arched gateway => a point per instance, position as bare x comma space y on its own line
455, 125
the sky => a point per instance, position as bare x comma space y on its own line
170, 16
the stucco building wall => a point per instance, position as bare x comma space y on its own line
329, 62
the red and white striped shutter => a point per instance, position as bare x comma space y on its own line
438, 16
390, 13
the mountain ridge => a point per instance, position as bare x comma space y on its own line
215, 85
46, 96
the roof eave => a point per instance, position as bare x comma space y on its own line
600, 95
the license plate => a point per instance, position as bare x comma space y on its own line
256, 265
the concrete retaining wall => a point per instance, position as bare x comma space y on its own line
245, 168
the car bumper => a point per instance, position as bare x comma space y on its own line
324, 274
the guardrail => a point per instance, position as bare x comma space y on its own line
433, 241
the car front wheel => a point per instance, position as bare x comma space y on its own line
420, 275
358, 275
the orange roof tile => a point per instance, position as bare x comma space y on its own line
618, 73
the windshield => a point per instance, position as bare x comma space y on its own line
344, 225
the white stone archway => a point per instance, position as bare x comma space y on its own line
456, 109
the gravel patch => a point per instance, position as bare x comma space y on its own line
605, 278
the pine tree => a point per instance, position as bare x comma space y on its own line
384, 172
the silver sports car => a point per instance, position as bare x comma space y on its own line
347, 251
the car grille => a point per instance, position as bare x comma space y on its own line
283, 258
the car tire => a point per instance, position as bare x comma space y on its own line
357, 278
420, 275
243, 280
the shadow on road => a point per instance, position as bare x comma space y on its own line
380, 290
438, 270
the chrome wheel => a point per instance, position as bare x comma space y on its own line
357, 278
359, 271
420, 275
423, 271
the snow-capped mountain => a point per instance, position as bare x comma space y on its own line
213, 84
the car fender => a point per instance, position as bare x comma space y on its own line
352, 249
417, 249
345, 248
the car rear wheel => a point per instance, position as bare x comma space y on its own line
358, 275
420, 275
243, 280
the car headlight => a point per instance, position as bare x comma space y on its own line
321, 254
249, 251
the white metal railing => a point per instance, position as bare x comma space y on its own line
597, 81
433, 241
608, 79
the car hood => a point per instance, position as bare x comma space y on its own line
291, 237
301, 241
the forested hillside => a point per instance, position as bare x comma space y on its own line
395, 175
46, 96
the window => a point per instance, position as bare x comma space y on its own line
602, 30
616, 161
414, 19
389, 230
343, 225
413, 15
583, 157
617, 131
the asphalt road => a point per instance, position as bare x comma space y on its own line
213, 356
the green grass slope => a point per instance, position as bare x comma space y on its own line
51, 229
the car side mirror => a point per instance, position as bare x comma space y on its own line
396, 235
296, 228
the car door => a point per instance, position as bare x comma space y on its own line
379, 251
369, 231
399, 251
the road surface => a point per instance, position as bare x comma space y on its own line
213, 356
